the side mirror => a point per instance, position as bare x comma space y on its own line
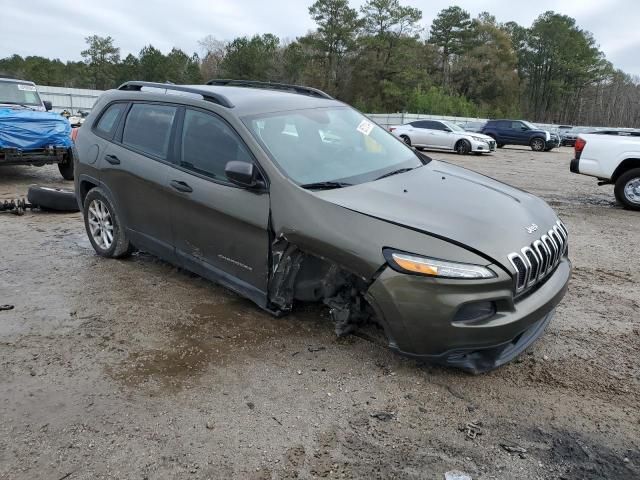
523, 128
47, 105
244, 174
446, 129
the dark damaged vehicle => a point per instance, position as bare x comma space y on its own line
286, 195
29, 133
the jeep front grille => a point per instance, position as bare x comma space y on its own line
534, 262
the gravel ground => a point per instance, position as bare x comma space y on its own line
137, 370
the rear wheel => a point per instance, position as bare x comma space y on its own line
103, 226
500, 145
462, 147
537, 144
406, 139
627, 189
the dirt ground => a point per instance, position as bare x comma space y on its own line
137, 370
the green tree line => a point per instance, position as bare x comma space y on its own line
383, 58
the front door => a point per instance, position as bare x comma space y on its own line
220, 230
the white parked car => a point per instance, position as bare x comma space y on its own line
612, 159
442, 135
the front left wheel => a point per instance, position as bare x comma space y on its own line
627, 189
537, 145
103, 226
463, 147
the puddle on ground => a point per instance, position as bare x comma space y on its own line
217, 335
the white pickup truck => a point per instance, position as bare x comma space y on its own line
612, 159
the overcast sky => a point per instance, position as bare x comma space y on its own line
56, 28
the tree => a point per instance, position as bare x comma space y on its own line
213, 52
387, 67
486, 71
251, 58
152, 65
450, 32
334, 40
558, 61
101, 57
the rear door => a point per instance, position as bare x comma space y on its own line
220, 230
134, 168
423, 133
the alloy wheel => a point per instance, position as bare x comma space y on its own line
100, 224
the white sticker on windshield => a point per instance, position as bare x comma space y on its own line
365, 127
26, 88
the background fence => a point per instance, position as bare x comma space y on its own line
71, 99
74, 99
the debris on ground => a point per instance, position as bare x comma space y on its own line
456, 475
472, 429
512, 448
6, 307
383, 416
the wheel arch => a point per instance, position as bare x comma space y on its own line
625, 166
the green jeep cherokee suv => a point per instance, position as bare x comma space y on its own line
285, 195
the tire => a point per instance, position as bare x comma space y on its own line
627, 189
537, 144
406, 139
58, 199
103, 226
462, 147
67, 167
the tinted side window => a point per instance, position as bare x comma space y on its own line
516, 125
438, 126
148, 128
503, 124
423, 124
208, 143
109, 119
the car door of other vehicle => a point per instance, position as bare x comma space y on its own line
519, 133
135, 166
444, 137
220, 229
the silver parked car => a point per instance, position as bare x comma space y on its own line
443, 135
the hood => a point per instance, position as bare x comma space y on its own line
450, 202
480, 135
29, 129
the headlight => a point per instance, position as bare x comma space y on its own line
548, 135
480, 139
432, 267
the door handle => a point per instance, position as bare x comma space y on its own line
112, 159
180, 186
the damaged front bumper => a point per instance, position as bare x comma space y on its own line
423, 317
37, 157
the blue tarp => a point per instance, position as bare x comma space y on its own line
29, 129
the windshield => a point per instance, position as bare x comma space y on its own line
453, 127
330, 145
530, 125
19, 94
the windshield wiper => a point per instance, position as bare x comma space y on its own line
325, 185
395, 172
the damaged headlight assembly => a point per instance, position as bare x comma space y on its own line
432, 267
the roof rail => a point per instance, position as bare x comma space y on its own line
208, 96
313, 92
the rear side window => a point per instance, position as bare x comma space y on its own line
148, 128
208, 143
108, 122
